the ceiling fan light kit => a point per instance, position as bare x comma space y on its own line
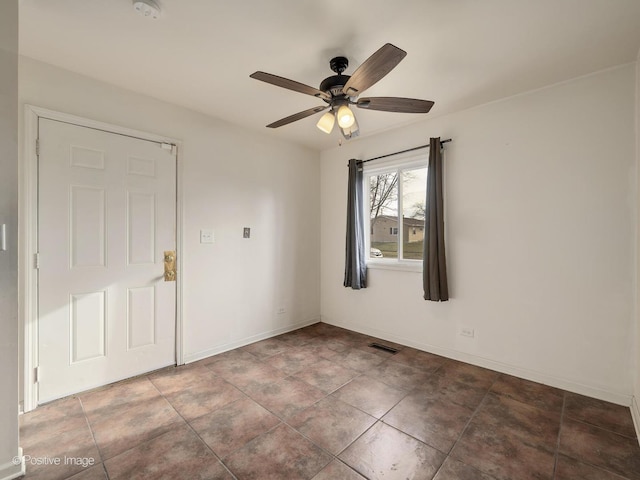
340, 91
326, 122
346, 118
352, 131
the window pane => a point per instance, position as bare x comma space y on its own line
383, 205
414, 193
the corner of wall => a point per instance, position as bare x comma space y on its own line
14, 469
10, 455
635, 408
635, 415
194, 357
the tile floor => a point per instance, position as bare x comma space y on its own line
319, 403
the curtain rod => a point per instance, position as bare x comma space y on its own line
447, 140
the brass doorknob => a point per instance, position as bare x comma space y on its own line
169, 266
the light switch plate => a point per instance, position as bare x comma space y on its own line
206, 236
246, 232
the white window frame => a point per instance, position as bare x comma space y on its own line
370, 169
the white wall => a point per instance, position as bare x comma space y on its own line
635, 407
540, 220
9, 258
232, 178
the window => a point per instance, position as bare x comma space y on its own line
396, 207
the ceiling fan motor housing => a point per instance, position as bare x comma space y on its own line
334, 84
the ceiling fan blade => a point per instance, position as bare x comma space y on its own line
297, 116
289, 84
395, 104
373, 69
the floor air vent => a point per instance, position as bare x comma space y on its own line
384, 348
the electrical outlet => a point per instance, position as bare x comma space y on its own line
467, 332
280, 311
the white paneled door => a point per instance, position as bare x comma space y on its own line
106, 214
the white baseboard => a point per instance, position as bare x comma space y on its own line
534, 376
194, 357
13, 469
635, 414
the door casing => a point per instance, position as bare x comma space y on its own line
28, 217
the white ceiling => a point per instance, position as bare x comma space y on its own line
199, 53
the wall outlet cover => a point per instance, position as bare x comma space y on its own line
206, 236
467, 332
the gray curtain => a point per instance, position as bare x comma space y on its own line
355, 269
434, 271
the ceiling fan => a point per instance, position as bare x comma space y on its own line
340, 91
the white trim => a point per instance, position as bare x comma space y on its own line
29, 220
401, 265
10, 470
618, 398
179, 253
404, 161
194, 357
107, 127
635, 415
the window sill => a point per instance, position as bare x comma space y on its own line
395, 265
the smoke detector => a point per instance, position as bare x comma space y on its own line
147, 8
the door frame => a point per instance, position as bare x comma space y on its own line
28, 217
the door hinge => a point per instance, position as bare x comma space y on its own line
38, 146
36, 374
169, 147
36, 260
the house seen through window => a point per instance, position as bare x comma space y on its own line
396, 207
